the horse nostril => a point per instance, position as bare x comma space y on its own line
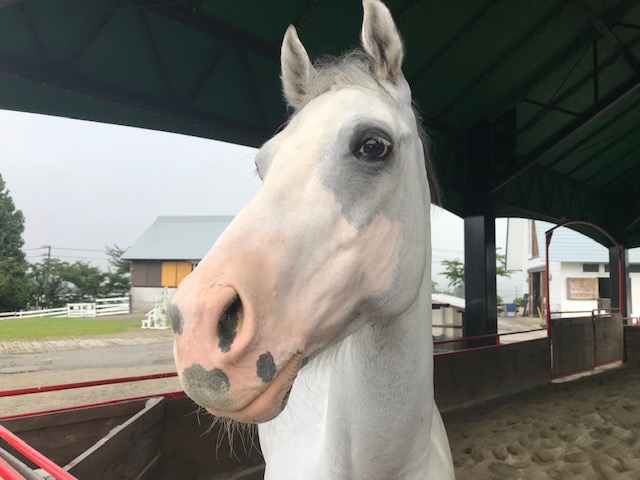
175, 317
228, 323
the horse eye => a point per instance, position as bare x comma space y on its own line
375, 148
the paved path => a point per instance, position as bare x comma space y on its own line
93, 354
20, 347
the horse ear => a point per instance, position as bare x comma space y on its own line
296, 68
381, 40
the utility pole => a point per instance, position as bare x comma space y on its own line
46, 275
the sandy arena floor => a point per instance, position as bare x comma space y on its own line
584, 429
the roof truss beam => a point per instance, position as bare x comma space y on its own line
606, 32
110, 13
620, 137
188, 17
34, 32
571, 129
548, 106
157, 55
93, 88
482, 78
611, 123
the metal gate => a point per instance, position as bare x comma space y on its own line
580, 344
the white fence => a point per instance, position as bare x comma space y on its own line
100, 308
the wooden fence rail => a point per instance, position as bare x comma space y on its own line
100, 308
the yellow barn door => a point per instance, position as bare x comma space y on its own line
174, 272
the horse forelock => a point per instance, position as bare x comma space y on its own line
356, 68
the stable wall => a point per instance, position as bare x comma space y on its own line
467, 377
143, 299
632, 345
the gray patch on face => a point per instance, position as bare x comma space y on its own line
361, 185
206, 387
175, 317
228, 324
266, 368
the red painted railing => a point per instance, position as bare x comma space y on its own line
36, 457
465, 340
90, 383
7, 472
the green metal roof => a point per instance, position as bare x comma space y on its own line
544, 94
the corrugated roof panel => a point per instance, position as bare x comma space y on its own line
570, 246
178, 238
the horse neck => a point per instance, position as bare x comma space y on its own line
380, 397
363, 409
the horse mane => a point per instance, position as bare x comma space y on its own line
356, 68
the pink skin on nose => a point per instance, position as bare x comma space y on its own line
224, 361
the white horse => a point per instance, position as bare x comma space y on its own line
319, 292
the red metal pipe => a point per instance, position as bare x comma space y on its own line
547, 238
488, 335
176, 394
89, 383
36, 457
611, 239
620, 279
7, 472
485, 347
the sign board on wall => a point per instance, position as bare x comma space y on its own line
582, 288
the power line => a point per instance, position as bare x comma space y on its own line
73, 256
445, 250
78, 249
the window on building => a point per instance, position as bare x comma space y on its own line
633, 268
174, 272
590, 267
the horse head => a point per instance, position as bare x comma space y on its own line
336, 239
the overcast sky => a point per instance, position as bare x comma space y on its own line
85, 185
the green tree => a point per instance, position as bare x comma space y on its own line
85, 282
13, 265
47, 288
454, 270
118, 274
54, 283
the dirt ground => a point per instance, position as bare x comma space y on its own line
584, 429
80, 396
79, 359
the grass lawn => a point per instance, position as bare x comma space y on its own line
42, 328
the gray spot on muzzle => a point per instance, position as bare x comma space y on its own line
266, 367
228, 324
206, 387
175, 317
